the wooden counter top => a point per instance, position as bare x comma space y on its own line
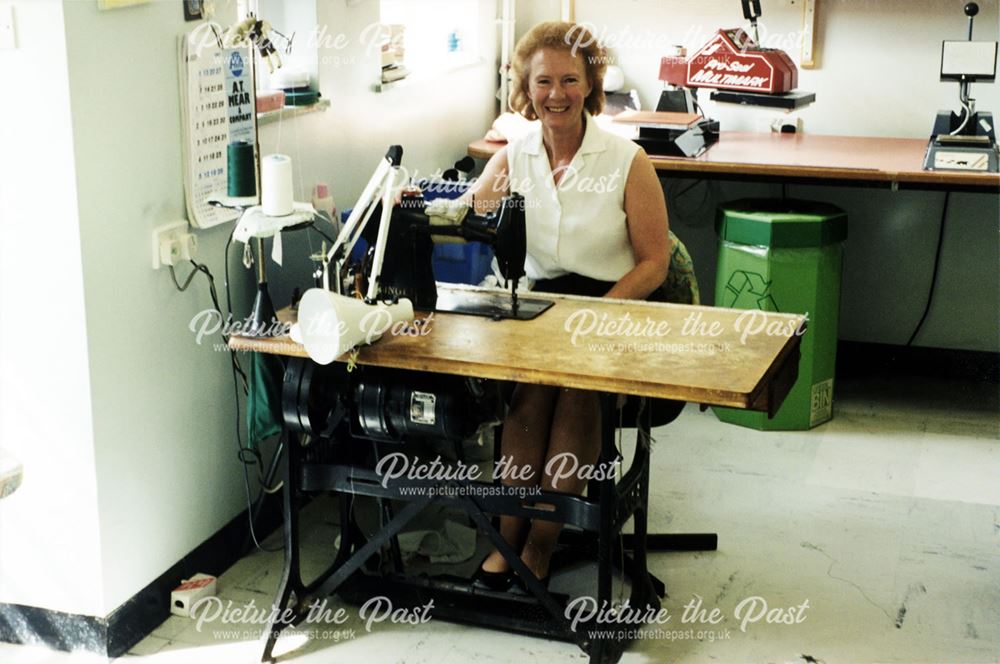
810, 156
649, 354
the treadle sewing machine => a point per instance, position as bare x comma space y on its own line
737, 69
442, 382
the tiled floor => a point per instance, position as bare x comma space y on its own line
886, 520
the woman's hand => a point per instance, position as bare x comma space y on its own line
489, 188
648, 231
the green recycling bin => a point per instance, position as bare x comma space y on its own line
786, 256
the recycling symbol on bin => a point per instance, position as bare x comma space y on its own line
748, 290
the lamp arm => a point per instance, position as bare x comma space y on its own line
383, 235
355, 235
361, 213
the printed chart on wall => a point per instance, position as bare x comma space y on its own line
217, 105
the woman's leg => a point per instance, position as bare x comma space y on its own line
525, 437
576, 435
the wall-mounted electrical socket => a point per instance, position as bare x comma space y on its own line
172, 243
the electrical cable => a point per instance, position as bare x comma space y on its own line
688, 188
934, 271
675, 200
198, 267
241, 450
694, 100
187, 282
247, 456
621, 533
260, 475
316, 229
967, 107
256, 460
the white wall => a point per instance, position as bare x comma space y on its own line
132, 466
163, 406
434, 117
49, 538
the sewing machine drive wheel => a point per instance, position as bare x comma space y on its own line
310, 397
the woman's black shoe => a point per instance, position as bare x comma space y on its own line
498, 581
519, 587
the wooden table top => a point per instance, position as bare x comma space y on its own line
574, 344
890, 160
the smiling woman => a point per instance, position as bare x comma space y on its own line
596, 224
556, 38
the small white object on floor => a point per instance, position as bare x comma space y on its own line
186, 595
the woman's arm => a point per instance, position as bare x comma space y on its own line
646, 216
485, 194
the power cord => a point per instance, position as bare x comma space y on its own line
253, 460
677, 196
246, 455
312, 225
198, 267
620, 467
934, 271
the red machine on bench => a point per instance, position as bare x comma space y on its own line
737, 69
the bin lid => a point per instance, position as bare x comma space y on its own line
770, 222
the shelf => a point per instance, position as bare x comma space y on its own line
291, 112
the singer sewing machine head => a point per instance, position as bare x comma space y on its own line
398, 264
332, 320
408, 268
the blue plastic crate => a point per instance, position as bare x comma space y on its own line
462, 263
467, 263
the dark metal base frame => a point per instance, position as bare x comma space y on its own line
541, 613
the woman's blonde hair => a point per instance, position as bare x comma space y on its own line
572, 37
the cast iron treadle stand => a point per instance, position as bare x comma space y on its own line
455, 599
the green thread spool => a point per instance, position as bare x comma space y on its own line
241, 174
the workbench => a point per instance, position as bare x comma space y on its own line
896, 163
700, 354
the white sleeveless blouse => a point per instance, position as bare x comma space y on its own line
578, 225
